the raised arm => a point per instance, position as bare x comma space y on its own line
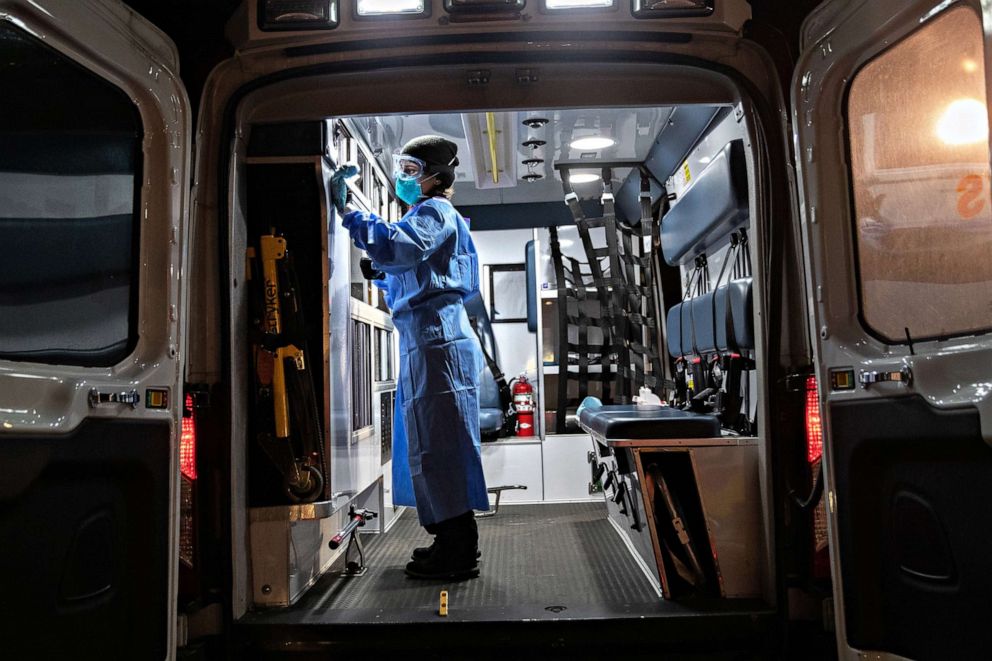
398, 247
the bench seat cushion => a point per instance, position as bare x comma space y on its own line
630, 421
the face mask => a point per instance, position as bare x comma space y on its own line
408, 190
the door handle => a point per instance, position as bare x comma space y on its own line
127, 398
904, 376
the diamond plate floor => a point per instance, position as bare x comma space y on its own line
554, 560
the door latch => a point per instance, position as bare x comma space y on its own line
128, 398
904, 376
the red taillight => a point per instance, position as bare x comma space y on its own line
814, 424
187, 465
187, 442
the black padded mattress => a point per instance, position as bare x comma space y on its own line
630, 421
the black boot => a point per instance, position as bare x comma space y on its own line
455, 551
424, 552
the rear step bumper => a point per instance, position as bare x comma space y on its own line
501, 631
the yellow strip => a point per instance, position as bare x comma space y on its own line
491, 128
273, 249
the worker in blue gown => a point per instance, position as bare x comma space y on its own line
431, 266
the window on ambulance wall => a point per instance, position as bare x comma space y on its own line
70, 163
918, 123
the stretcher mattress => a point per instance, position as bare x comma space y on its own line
630, 421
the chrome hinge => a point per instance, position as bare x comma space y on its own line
129, 398
905, 376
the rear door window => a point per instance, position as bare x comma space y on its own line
70, 178
919, 146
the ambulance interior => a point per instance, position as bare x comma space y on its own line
615, 255
616, 245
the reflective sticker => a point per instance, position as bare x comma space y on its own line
157, 398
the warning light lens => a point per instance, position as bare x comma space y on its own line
187, 441
814, 423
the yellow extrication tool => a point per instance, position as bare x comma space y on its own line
288, 427
443, 607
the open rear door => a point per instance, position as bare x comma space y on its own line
94, 146
892, 140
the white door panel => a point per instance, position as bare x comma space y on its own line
94, 161
891, 130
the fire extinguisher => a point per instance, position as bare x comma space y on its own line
523, 402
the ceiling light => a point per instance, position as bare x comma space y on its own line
583, 178
594, 142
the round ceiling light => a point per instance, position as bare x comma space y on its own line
583, 178
592, 143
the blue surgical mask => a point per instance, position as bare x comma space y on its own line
408, 190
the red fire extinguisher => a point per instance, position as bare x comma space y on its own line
523, 402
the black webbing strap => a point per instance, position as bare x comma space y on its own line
623, 274
505, 396
561, 353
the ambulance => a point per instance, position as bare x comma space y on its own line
737, 395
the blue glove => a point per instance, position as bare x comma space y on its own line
339, 189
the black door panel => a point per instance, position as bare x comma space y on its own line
914, 512
84, 529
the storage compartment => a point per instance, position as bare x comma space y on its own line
684, 548
702, 505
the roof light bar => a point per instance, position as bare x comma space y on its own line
276, 15
368, 8
583, 177
483, 6
671, 8
565, 5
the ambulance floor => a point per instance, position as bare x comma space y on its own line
539, 562
556, 579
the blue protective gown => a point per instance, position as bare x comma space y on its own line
431, 266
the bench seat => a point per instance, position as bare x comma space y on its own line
631, 421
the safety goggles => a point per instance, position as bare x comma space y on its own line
407, 167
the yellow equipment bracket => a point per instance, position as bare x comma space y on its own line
273, 249
280, 398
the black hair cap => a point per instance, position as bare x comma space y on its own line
433, 150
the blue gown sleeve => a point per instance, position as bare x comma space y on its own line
398, 247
